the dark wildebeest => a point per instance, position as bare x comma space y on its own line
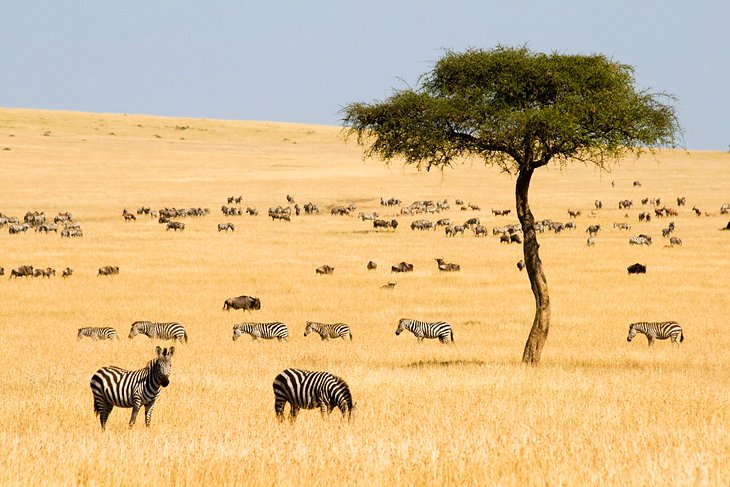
22, 271
325, 269
372, 265
242, 302
636, 269
108, 270
67, 272
402, 267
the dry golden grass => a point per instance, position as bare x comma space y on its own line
598, 410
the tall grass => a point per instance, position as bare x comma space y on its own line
598, 410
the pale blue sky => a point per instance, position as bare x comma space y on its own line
302, 61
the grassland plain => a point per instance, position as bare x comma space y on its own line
597, 411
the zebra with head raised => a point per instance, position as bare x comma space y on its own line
328, 330
162, 331
114, 386
267, 331
98, 333
422, 329
304, 389
657, 331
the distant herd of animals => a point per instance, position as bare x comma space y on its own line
301, 389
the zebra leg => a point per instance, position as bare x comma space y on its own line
293, 413
133, 419
650, 339
104, 410
148, 413
279, 408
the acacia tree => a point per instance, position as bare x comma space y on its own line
517, 110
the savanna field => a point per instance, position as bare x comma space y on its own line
597, 410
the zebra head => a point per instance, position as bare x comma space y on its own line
309, 329
402, 325
237, 332
162, 367
632, 333
135, 329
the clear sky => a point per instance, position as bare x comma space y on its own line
302, 61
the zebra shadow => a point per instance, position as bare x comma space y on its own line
446, 363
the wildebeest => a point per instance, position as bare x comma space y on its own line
108, 270
175, 226
636, 269
325, 269
48, 272
593, 229
675, 241
520, 265
22, 271
67, 272
574, 213
242, 302
402, 267
226, 226
447, 267
372, 266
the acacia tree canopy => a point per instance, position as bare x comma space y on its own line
518, 110
512, 107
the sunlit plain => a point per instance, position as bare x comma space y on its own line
598, 410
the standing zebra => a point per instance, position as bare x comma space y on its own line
162, 331
422, 329
114, 386
262, 330
98, 333
657, 331
304, 389
328, 330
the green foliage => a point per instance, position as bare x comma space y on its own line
516, 109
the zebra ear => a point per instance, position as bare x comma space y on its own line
170, 352
158, 350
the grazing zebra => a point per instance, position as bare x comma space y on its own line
98, 333
422, 329
328, 330
304, 389
114, 386
657, 331
162, 331
267, 331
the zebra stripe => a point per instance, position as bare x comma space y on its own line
304, 389
161, 331
114, 386
328, 330
657, 331
98, 333
267, 331
422, 329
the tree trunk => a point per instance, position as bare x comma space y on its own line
533, 264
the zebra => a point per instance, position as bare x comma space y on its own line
114, 386
657, 331
98, 333
422, 329
328, 330
162, 331
304, 389
267, 331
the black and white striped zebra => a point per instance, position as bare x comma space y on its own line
657, 331
304, 389
114, 386
161, 331
98, 333
422, 329
267, 331
328, 330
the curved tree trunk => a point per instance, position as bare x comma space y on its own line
533, 264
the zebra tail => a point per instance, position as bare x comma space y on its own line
185, 335
452, 335
681, 336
